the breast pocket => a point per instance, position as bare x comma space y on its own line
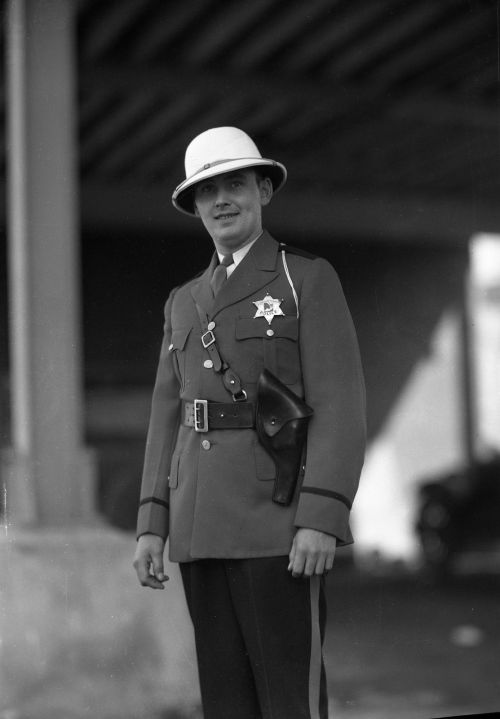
177, 348
278, 344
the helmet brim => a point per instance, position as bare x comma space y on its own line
183, 199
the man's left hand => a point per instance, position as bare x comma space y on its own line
312, 553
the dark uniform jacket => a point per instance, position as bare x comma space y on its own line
211, 492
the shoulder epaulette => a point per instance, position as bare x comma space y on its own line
297, 251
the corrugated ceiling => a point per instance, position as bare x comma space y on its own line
387, 97
348, 92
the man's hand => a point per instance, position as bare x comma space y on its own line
148, 561
312, 553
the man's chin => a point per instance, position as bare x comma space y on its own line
229, 239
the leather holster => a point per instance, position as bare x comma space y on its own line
281, 422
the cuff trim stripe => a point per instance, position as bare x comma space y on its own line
327, 493
146, 500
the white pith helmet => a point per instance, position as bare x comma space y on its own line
217, 151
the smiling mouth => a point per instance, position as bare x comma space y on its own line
226, 216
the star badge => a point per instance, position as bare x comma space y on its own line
268, 308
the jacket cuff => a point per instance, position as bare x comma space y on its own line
326, 514
153, 518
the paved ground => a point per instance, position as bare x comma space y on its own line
401, 647
398, 647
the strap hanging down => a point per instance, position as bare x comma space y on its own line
230, 379
290, 281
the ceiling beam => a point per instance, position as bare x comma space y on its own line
257, 47
126, 155
162, 29
318, 45
339, 99
175, 79
158, 159
295, 215
112, 20
439, 46
228, 21
300, 215
395, 30
115, 126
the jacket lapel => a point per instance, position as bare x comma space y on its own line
256, 270
201, 292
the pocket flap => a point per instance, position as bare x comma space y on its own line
179, 338
247, 327
173, 477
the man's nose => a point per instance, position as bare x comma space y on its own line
221, 197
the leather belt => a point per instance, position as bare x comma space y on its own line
204, 415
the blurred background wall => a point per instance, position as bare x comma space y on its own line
386, 116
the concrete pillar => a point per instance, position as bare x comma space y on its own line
49, 473
468, 388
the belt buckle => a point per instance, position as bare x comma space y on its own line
207, 342
200, 415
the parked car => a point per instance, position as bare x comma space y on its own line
459, 512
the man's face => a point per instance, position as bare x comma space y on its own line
230, 207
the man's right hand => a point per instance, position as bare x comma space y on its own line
148, 561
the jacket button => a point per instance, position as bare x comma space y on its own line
269, 333
208, 364
206, 444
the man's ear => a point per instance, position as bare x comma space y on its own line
265, 190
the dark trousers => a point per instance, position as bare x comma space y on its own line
259, 634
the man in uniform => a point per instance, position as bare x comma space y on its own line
252, 558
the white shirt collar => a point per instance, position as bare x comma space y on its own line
238, 255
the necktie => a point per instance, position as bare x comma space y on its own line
220, 273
